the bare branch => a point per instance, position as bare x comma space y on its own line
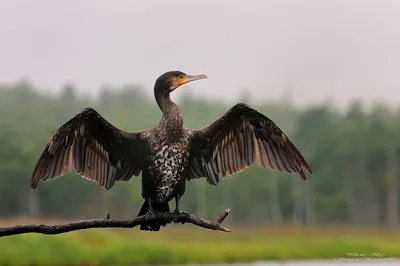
107, 223
223, 216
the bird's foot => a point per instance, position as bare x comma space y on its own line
180, 212
177, 212
150, 213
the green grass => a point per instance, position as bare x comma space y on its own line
189, 244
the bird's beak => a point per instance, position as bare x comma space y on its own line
190, 78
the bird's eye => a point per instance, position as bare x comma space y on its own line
181, 76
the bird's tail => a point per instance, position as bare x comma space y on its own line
153, 225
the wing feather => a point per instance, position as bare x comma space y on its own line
95, 149
238, 139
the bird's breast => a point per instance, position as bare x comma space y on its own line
168, 165
169, 160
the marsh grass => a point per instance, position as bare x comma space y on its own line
190, 244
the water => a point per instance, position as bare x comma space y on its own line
337, 262
343, 262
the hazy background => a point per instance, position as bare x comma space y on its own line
295, 61
319, 50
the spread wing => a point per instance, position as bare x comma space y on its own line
95, 149
241, 137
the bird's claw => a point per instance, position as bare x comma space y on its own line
150, 213
177, 212
186, 214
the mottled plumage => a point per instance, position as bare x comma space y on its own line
167, 155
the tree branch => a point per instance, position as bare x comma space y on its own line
107, 223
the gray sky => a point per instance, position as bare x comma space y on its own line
338, 49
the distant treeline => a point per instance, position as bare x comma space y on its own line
354, 155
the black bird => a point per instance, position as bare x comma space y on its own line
168, 155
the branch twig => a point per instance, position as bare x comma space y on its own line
107, 223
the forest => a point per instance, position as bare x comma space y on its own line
354, 155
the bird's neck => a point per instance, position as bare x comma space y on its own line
172, 121
163, 100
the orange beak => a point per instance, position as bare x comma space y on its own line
189, 78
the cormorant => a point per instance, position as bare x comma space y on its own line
168, 155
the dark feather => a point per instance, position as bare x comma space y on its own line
95, 149
241, 137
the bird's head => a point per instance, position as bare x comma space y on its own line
170, 81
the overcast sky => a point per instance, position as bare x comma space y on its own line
337, 49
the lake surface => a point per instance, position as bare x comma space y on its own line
337, 262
